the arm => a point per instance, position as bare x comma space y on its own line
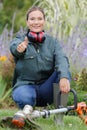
62, 66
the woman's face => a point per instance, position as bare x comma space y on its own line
36, 21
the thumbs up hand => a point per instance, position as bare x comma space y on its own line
23, 45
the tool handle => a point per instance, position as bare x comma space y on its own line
75, 100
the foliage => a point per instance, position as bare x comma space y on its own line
81, 97
63, 15
81, 81
2, 87
3, 93
77, 47
9, 8
7, 67
79, 84
6, 72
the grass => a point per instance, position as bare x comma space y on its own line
70, 122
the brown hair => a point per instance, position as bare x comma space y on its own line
34, 8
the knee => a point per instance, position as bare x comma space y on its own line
28, 99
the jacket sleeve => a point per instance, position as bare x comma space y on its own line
61, 61
13, 46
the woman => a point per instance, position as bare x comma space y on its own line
40, 62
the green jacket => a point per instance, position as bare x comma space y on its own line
37, 63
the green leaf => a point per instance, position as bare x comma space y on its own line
2, 87
7, 94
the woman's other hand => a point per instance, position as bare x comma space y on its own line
64, 85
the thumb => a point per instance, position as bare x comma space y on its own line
26, 40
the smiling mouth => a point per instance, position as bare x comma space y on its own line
36, 27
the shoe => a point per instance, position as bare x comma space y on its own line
27, 110
19, 117
18, 121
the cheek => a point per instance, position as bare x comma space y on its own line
43, 24
29, 23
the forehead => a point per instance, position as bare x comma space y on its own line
36, 13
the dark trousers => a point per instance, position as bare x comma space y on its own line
39, 95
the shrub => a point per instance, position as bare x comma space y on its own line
81, 81
7, 70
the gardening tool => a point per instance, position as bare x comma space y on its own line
82, 111
45, 113
60, 108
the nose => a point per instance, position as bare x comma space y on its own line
36, 21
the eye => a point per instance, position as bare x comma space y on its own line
32, 18
40, 18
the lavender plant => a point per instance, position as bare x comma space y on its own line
77, 47
5, 38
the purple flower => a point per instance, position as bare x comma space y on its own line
84, 40
85, 52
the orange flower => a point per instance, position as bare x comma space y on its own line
86, 120
3, 58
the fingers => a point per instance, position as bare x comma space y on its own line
64, 85
64, 89
22, 46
